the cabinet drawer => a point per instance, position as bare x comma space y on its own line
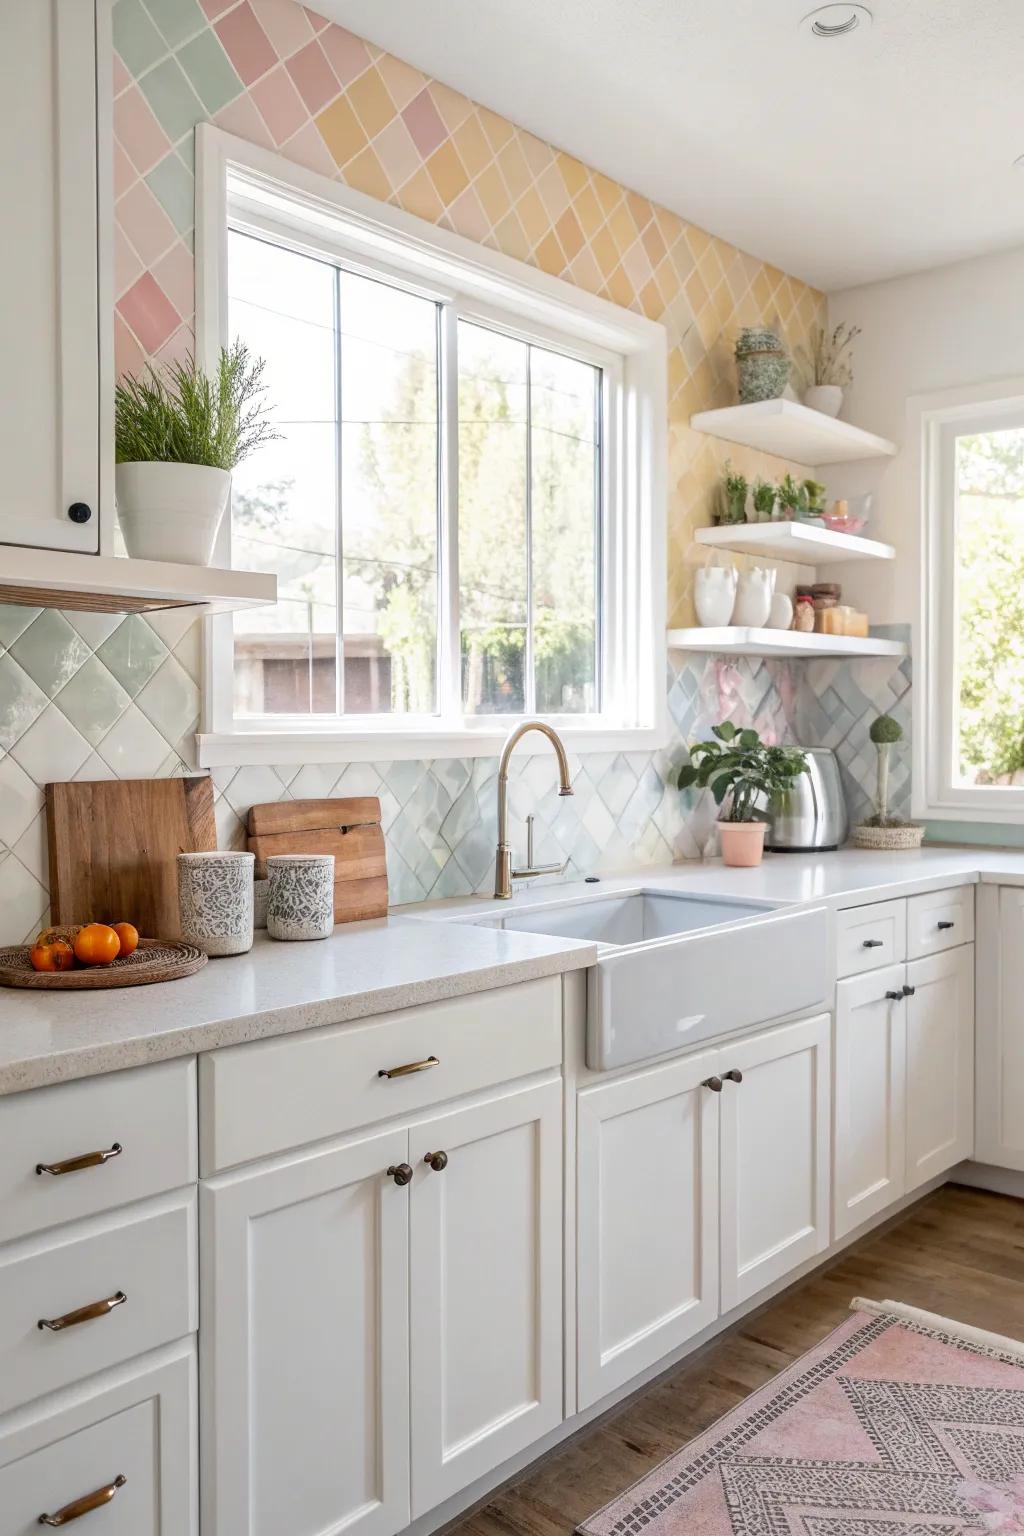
272, 1095
138, 1425
146, 1255
869, 937
939, 920
149, 1112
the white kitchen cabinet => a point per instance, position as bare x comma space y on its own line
647, 1219
305, 1298
940, 1063
774, 1159
53, 114
869, 1099
485, 1264
1000, 1045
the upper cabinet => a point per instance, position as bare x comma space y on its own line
50, 312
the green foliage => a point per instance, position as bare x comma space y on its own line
827, 360
185, 417
740, 764
736, 485
763, 497
814, 495
792, 497
885, 729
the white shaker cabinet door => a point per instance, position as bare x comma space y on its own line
1000, 1042
870, 1103
647, 1219
940, 1063
304, 1345
486, 1287
49, 308
775, 1139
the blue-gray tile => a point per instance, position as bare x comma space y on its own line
175, 104
135, 37
50, 651
209, 70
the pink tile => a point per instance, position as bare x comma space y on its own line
127, 266
122, 75
128, 355
247, 45
279, 101
148, 312
215, 8
307, 148
316, 21
285, 23
314, 77
241, 117
178, 347
424, 123
138, 131
397, 153
144, 222
346, 52
124, 172
175, 273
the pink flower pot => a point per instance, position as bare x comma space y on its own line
742, 842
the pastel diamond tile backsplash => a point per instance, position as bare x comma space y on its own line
89, 696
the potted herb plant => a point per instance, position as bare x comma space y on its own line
733, 496
178, 434
828, 366
763, 499
882, 830
743, 774
791, 499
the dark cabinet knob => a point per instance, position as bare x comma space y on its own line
714, 1083
872, 943
401, 1173
909, 991
733, 1076
895, 997
943, 926
437, 1160
79, 512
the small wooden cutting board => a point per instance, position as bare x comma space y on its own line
348, 827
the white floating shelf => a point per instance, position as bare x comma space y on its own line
48, 578
803, 543
793, 431
734, 640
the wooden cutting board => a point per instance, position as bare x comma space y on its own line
113, 845
347, 827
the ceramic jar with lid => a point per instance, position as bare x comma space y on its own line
300, 895
762, 364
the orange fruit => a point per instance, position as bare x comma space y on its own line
50, 952
128, 936
96, 944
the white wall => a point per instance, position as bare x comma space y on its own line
956, 325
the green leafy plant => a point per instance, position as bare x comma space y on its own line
740, 765
733, 495
185, 416
792, 498
826, 359
763, 498
814, 494
885, 730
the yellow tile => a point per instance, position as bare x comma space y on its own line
491, 190
654, 244
621, 289
373, 105
533, 216
340, 131
538, 154
585, 272
588, 211
574, 173
570, 234
549, 255
498, 129
651, 301
419, 196
402, 80
452, 105
605, 253
510, 237
468, 217
696, 291
447, 172
623, 227
514, 169
640, 208
367, 174
608, 192
471, 142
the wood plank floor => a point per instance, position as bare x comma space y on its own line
959, 1252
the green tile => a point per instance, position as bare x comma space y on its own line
93, 700
132, 653
210, 71
174, 187
177, 19
50, 651
14, 620
135, 37
174, 102
186, 152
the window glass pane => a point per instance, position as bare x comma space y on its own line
988, 743
389, 497
492, 520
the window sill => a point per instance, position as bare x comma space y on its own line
241, 749
996, 812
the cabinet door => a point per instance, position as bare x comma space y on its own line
486, 1287
1000, 1042
869, 1101
774, 1155
304, 1345
49, 312
940, 1063
647, 1219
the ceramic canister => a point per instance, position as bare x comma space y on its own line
215, 901
300, 895
714, 594
754, 597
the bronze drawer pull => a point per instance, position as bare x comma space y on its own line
714, 1083
734, 1076
410, 1066
401, 1173
86, 1504
76, 1164
437, 1160
83, 1314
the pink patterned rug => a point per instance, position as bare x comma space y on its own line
900, 1423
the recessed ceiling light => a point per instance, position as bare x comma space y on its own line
836, 20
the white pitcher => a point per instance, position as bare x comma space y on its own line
714, 595
754, 597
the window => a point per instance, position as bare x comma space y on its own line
972, 763
462, 501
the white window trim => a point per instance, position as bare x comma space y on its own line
933, 422
632, 350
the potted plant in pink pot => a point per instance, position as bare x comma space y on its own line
745, 775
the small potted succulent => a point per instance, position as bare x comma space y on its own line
763, 499
828, 367
178, 434
882, 830
744, 775
732, 496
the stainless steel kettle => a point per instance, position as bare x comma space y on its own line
811, 814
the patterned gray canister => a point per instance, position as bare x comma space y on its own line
215, 901
300, 896
762, 364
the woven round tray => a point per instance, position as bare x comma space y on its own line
154, 960
888, 839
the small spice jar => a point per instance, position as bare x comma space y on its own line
300, 895
215, 901
803, 619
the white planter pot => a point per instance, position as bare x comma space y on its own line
826, 398
715, 594
754, 597
171, 511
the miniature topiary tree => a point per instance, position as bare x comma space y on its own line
884, 732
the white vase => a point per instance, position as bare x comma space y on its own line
714, 595
826, 398
171, 511
754, 597
780, 615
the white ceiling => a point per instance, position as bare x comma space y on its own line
841, 160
